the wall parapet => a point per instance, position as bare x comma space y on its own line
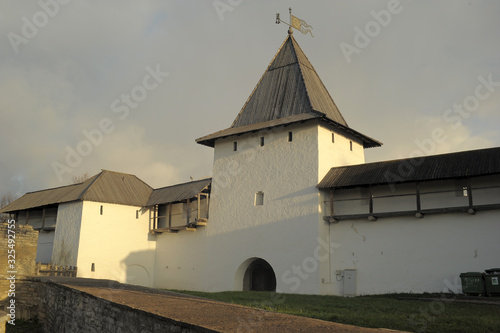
60, 308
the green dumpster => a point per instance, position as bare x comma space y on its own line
473, 283
492, 281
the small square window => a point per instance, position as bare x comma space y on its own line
262, 141
235, 146
290, 136
333, 137
350, 144
259, 198
101, 210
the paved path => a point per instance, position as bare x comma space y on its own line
216, 316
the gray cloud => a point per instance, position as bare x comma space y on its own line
64, 79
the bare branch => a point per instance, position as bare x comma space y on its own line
4, 201
81, 178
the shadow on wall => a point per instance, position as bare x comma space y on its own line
64, 255
139, 268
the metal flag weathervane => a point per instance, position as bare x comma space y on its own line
295, 23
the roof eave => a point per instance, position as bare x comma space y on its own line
209, 140
367, 141
406, 181
208, 143
207, 182
6, 209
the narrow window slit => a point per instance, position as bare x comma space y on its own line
259, 198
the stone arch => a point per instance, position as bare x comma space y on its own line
137, 275
255, 274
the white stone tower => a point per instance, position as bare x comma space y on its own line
266, 213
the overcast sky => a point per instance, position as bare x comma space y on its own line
129, 85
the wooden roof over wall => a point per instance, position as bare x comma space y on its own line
178, 192
436, 167
106, 186
110, 187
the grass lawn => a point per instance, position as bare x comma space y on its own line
381, 311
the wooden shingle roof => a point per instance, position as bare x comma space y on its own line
290, 86
445, 166
106, 186
178, 192
290, 90
110, 187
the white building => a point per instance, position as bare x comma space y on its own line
292, 207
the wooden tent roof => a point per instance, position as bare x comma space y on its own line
290, 90
290, 86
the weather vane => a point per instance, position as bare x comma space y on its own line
296, 23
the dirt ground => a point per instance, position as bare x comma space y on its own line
213, 315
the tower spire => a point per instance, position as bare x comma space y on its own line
290, 91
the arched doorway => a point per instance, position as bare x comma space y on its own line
259, 276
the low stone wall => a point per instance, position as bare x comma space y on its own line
63, 309
18, 245
60, 308
23, 251
26, 241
